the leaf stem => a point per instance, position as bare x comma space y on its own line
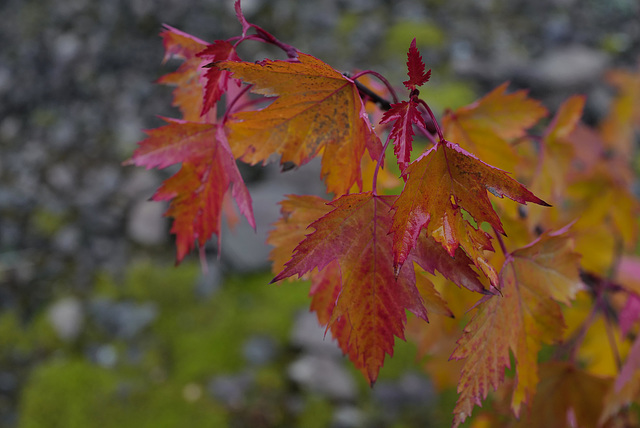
383, 103
374, 187
612, 342
500, 241
381, 78
424, 131
233, 103
433, 118
579, 337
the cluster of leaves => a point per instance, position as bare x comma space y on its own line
563, 281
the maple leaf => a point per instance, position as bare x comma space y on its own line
623, 121
599, 197
629, 314
630, 366
317, 109
617, 402
297, 213
566, 397
441, 183
187, 95
372, 300
370, 308
432, 257
198, 189
527, 314
217, 80
556, 154
405, 114
486, 126
415, 65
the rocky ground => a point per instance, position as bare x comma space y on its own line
76, 91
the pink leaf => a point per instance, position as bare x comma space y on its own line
405, 114
417, 76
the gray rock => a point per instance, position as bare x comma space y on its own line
392, 397
231, 390
259, 350
122, 319
67, 318
140, 184
568, 67
245, 249
310, 336
209, 281
105, 355
146, 224
98, 183
66, 47
323, 375
67, 240
348, 417
62, 177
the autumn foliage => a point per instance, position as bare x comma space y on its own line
535, 296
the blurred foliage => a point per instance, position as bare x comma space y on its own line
162, 376
399, 36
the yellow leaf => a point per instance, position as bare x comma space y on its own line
317, 109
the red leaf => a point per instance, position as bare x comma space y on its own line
372, 300
317, 109
417, 76
189, 89
442, 183
405, 114
630, 313
217, 80
197, 190
326, 286
630, 367
431, 256
527, 313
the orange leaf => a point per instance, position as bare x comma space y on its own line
566, 397
526, 315
317, 109
556, 156
372, 300
405, 115
370, 308
441, 183
188, 94
623, 121
217, 80
298, 212
198, 189
486, 126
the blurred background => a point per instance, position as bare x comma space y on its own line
97, 326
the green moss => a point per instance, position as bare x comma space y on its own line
404, 357
168, 286
400, 35
347, 23
16, 337
317, 413
207, 339
66, 395
191, 340
70, 394
47, 222
447, 95
165, 406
